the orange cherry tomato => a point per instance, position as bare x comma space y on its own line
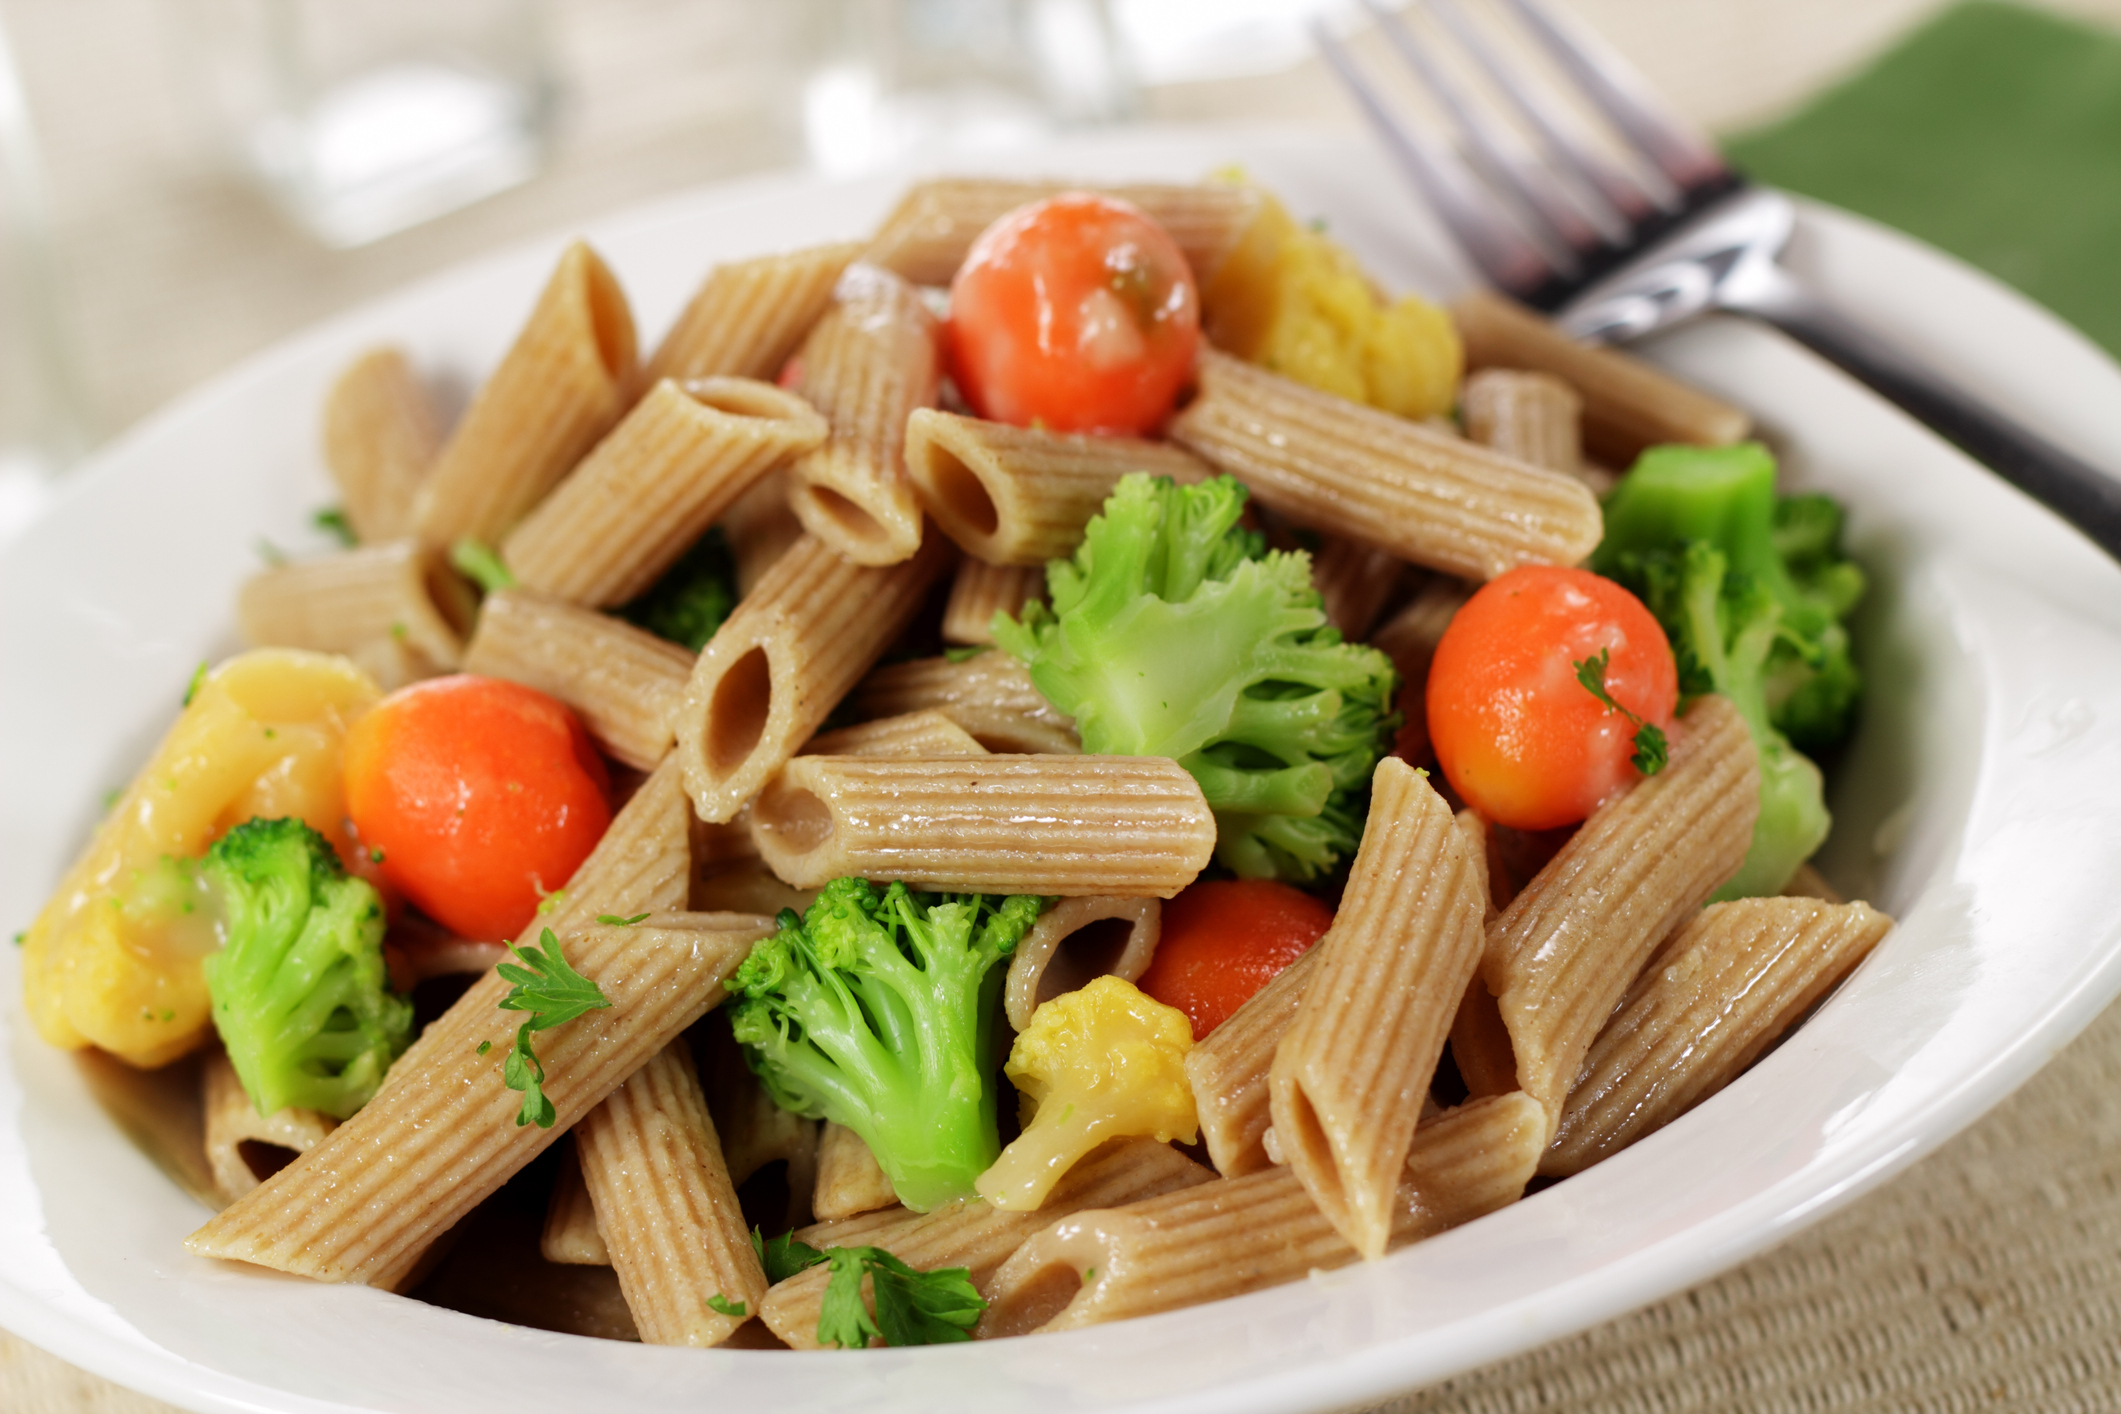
482, 795
1077, 313
1522, 740
1224, 939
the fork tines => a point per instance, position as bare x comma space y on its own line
1535, 204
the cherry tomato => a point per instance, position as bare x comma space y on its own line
482, 795
1521, 738
1077, 313
1224, 939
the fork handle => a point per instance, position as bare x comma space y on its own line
2082, 494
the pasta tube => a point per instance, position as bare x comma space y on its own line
749, 315
1077, 939
380, 437
399, 591
914, 734
570, 1237
980, 591
760, 528
755, 1132
1355, 581
1534, 417
989, 694
849, 1179
1228, 1071
243, 1147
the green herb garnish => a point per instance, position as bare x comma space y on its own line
554, 994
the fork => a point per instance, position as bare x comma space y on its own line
1614, 252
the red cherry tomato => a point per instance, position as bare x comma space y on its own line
483, 796
1077, 313
1522, 740
1224, 939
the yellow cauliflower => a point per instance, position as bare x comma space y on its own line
1102, 1063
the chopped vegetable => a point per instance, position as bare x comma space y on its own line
554, 994
1173, 632
783, 1256
693, 596
1077, 314
300, 993
912, 1307
482, 565
333, 522
1222, 940
877, 1011
483, 795
1519, 732
1103, 1062
723, 1306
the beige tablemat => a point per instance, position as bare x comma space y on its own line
1988, 1277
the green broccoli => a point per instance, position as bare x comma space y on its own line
299, 991
1751, 591
877, 1011
1172, 632
692, 598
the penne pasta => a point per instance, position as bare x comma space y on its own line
1236, 1235
397, 592
1350, 470
750, 315
869, 362
1355, 581
570, 1237
1534, 417
650, 489
561, 386
988, 694
243, 1147
849, 1179
666, 1206
624, 682
1350, 1073
972, 1234
914, 734
450, 1124
1716, 996
760, 528
380, 437
1480, 1043
1228, 1072
1062, 825
1021, 495
980, 591
1560, 957
755, 1132
782, 661
1076, 940
1409, 639
1627, 403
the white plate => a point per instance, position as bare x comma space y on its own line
1981, 805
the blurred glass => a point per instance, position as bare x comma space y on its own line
363, 117
905, 78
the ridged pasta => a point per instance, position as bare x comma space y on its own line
1228, 1068
1076, 940
678, 460
1350, 470
1409, 639
1355, 581
1534, 417
996, 824
849, 1179
240, 1142
988, 694
380, 437
570, 1237
914, 734
981, 590
755, 1132
749, 315
401, 591
760, 529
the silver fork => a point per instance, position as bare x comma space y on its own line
1614, 253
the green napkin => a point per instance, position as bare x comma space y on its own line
1993, 132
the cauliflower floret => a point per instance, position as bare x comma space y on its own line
1101, 1063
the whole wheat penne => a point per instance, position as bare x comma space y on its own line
1022, 495
399, 591
1345, 469
1808, 882
570, 1237
777, 666
988, 694
868, 363
1242, 1234
980, 591
392, 664
666, 1206
1076, 940
749, 315
560, 387
450, 1128
760, 529
243, 1147
1062, 825
1534, 417
755, 1132
1480, 1043
1714, 998
849, 1179
380, 437
972, 1234
648, 490
928, 733
1409, 639
1627, 404
1228, 1068
1349, 1075
1355, 581
926, 236
1562, 954
625, 682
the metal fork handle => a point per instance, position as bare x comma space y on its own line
2072, 488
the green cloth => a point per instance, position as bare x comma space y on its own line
1994, 132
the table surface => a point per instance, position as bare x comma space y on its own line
1988, 1276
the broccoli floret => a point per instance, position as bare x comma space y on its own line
692, 598
877, 1011
299, 990
1173, 632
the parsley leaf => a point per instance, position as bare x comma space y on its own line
965, 652
191, 690
479, 563
333, 522
784, 1256
617, 922
723, 1305
912, 1307
554, 994
1651, 749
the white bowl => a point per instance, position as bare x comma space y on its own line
1980, 804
